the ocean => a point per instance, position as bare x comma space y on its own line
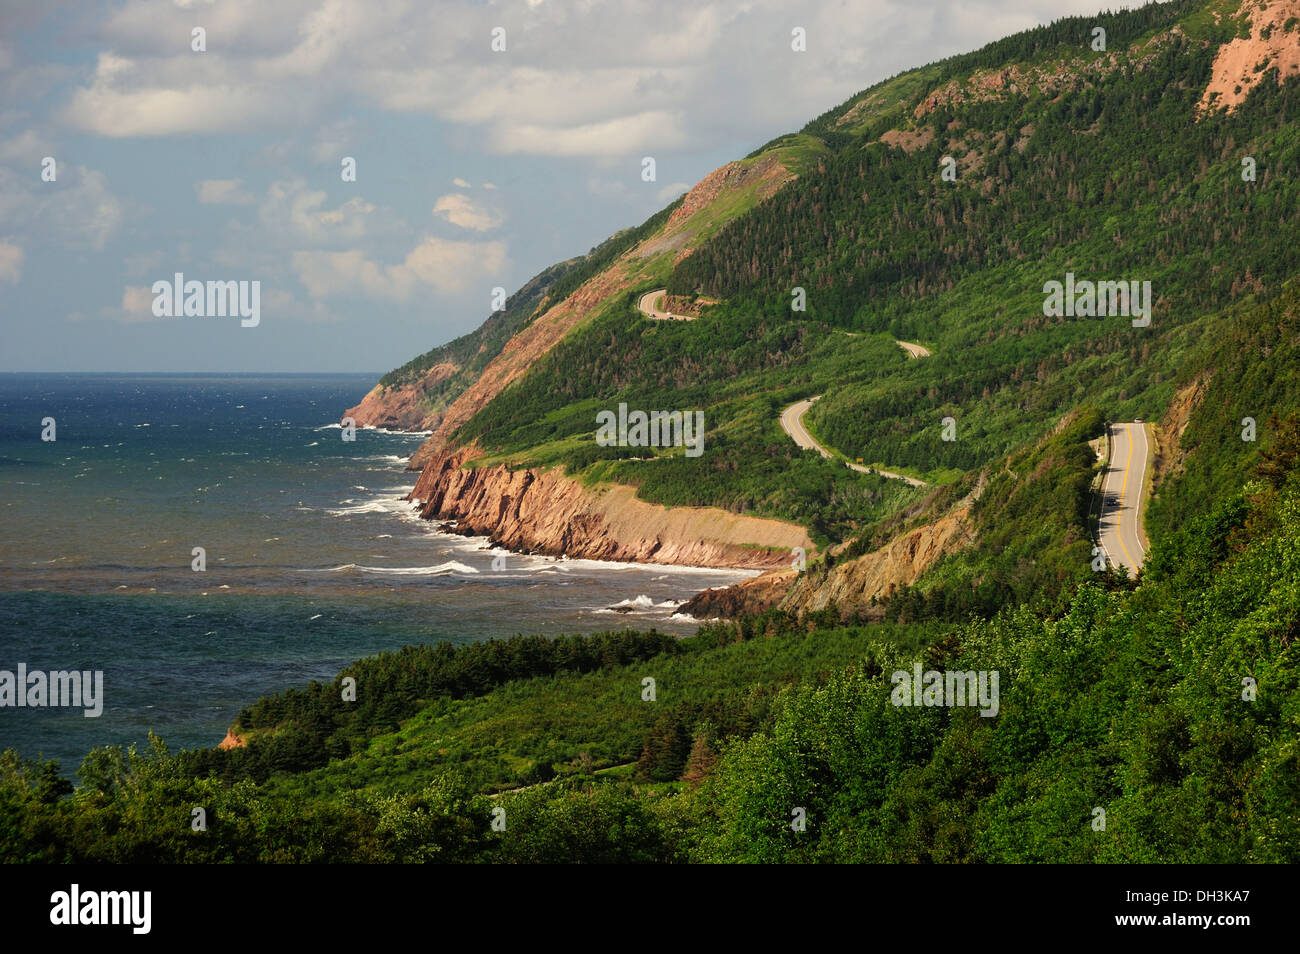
312, 558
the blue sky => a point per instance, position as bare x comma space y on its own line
475, 167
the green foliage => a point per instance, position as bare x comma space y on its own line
1173, 707
1032, 541
302, 729
1172, 704
1250, 369
885, 250
1128, 702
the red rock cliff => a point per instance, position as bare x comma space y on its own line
536, 510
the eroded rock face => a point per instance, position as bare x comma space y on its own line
402, 408
535, 510
1170, 455
744, 598
1051, 79
853, 584
1241, 62
849, 586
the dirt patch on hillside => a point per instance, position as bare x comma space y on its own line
908, 140
523, 348
1169, 458
1241, 63
879, 574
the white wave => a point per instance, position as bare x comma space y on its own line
643, 603
384, 430
377, 430
442, 569
383, 505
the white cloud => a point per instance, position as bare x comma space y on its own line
578, 80
77, 209
458, 181
11, 262
334, 140
464, 212
222, 192
292, 210
137, 304
450, 267
126, 99
614, 137
28, 147
136, 307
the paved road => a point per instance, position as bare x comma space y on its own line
791, 417
792, 424
647, 306
1121, 500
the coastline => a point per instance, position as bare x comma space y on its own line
540, 511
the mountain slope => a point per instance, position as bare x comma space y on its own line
1065, 161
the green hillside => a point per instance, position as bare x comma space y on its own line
1147, 720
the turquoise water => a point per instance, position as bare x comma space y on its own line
312, 557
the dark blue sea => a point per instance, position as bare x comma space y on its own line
312, 557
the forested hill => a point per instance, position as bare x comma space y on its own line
1137, 720
936, 207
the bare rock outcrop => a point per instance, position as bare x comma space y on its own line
878, 574
402, 408
1242, 61
539, 510
741, 599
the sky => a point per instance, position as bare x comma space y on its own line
212, 138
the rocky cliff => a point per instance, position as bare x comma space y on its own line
535, 510
876, 575
852, 585
404, 407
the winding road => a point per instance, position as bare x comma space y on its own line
792, 424
1122, 536
1121, 497
647, 306
792, 417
